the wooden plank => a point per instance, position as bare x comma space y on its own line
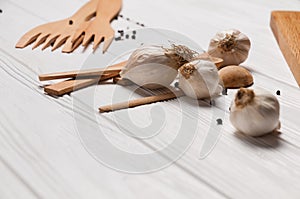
51, 157
243, 158
286, 28
10, 178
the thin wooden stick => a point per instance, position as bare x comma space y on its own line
70, 85
116, 68
123, 82
141, 101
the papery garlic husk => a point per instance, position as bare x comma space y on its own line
199, 79
255, 112
230, 45
155, 67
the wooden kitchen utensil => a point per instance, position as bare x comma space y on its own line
286, 28
59, 32
141, 101
116, 68
70, 85
100, 28
83, 79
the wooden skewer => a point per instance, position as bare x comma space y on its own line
70, 85
141, 101
123, 82
116, 68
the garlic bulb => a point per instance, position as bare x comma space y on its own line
230, 45
255, 112
199, 79
156, 67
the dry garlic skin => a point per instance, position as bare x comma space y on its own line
255, 112
199, 79
230, 45
154, 66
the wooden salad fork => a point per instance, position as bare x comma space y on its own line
59, 32
100, 29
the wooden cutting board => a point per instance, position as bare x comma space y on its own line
286, 28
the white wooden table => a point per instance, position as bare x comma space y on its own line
43, 156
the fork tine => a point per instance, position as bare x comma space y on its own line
41, 39
97, 41
49, 41
59, 42
107, 43
70, 47
87, 39
76, 36
79, 31
28, 38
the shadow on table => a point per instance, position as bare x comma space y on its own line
271, 140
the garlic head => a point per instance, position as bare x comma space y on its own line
255, 112
199, 79
230, 45
154, 66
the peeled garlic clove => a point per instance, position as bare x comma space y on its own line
230, 45
199, 79
235, 77
156, 67
255, 112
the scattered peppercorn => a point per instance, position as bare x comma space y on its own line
219, 121
278, 92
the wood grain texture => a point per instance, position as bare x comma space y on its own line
286, 28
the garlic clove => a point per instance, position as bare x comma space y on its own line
255, 112
152, 76
230, 45
235, 77
155, 67
199, 79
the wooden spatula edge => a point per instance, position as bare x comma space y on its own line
286, 29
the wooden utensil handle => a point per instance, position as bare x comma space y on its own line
108, 9
86, 11
116, 68
141, 101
